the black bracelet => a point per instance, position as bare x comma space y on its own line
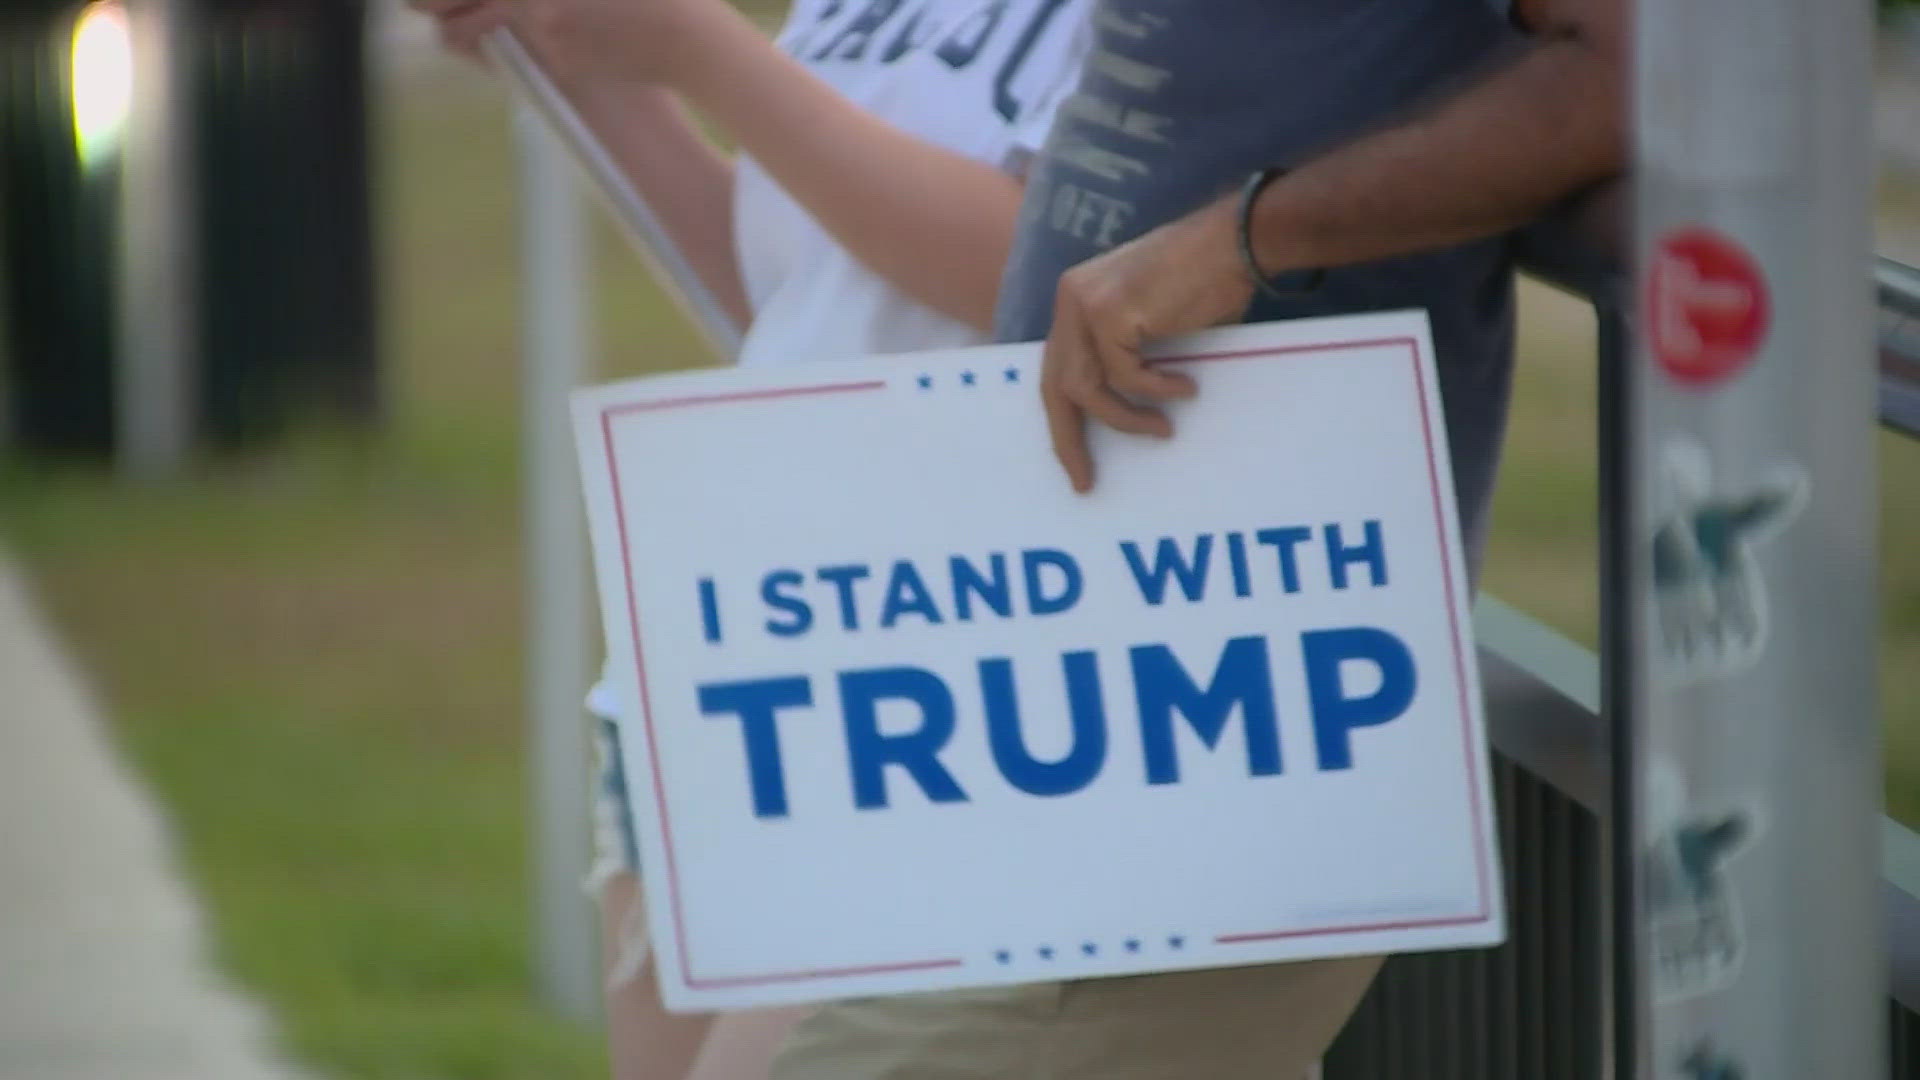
1308, 280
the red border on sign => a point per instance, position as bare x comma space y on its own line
694, 982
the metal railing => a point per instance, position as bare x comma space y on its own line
1542, 1007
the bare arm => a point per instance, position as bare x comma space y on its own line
649, 1043
682, 175
1489, 159
645, 1041
935, 224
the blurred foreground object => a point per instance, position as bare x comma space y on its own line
55, 229
185, 205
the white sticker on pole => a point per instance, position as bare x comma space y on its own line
910, 714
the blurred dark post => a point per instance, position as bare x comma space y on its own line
56, 229
286, 262
237, 264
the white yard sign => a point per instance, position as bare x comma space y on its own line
906, 713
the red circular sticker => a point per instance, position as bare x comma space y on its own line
1707, 306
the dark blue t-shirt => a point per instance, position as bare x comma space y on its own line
1181, 99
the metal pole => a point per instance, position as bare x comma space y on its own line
1751, 583
1619, 699
555, 347
155, 372
642, 225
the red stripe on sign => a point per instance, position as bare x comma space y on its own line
1372, 928
823, 973
744, 395
1288, 350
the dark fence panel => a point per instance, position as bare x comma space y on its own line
1534, 1008
1906, 1043
56, 239
287, 270
281, 243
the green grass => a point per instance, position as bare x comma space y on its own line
314, 654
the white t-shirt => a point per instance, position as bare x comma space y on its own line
977, 77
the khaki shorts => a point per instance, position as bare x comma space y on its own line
1253, 1023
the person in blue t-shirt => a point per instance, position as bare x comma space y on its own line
1254, 159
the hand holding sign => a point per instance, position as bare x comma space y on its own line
1182, 276
909, 718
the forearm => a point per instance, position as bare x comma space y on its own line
936, 225
1490, 159
685, 179
645, 1041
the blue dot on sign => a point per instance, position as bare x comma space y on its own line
967, 377
1046, 952
1090, 949
1013, 374
1133, 944
926, 382
1003, 956
1177, 941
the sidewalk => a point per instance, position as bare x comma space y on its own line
103, 966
